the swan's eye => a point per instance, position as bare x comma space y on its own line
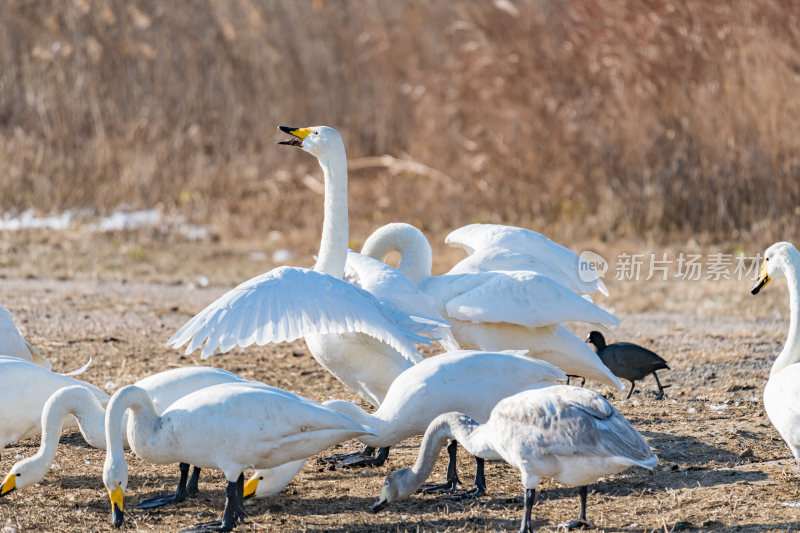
316, 133
260, 478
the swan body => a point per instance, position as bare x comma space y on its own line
500, 310
79, 401
348, 331
13, 344
782, 392
471, 381
26, 389
240, 425
568, 433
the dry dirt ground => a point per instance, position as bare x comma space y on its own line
722, 466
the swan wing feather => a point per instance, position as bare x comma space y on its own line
285, 304
524, 298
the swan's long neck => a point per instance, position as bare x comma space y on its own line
382, 427
144, 418
456, 426
791, 350
333, 246
75, 400
416, 256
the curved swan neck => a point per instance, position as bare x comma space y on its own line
333, 246
144, 417
791, 350
75, 400
456, 426
415, 251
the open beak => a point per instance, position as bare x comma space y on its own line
250, 488
9, 484
298, 133
763, 279
117, 515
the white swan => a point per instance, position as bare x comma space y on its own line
231, 427
500, 310
79, 401
782, 392
26, 388
568, 433
468, 381
13, 344
498, 247
347, 330
401, 296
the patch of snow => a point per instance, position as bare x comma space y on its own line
282, 256
29, 220
122, 220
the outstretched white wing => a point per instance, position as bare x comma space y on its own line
524, 298
285, 304
476, 237
403, 299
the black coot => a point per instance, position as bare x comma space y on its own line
628, 361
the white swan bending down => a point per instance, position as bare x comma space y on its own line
79, 401
13, 344
470, 381
500, 310
568, 433
26, 388
782, 392
347, 330
216, 428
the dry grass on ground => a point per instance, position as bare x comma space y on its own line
607, 117
722, 465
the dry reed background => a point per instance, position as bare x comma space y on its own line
596, 119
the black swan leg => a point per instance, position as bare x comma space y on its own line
177, 497
233, 514
633, 384
192, 488
581, 522
480, 484
530, 496
452, 480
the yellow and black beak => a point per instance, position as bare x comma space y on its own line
117, 515
9, 484
250, 488
298, 133
763, 279
382, 502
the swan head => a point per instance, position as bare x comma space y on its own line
115, 478
398, 485
24, 474
319, 141
776, 259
